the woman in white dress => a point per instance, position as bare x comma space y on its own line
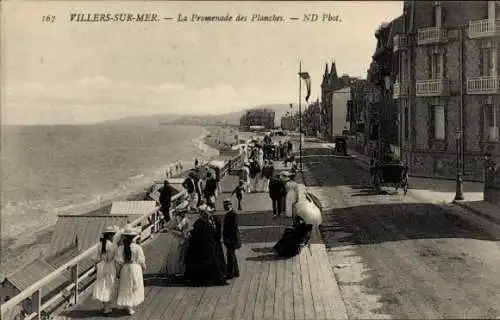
177, 236
131, 263
105, 284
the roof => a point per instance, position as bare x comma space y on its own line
133, 207
397, 27
85, 230
33, 272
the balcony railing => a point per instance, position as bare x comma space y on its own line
484, 28
34, 291
400, 42
431, 88
431, 35
483, 85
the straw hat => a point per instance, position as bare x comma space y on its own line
129, 231
111, 229
227, 201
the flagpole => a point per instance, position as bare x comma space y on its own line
300, 116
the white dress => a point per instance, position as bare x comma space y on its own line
131, 284
105, 284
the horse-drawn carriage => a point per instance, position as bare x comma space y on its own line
341, 145
387, 173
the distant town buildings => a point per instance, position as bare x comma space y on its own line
258, 117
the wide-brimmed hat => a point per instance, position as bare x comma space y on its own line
111, 229
286, 174
203, 207
129, 231
227, 201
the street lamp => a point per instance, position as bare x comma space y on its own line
459, 187
386, 86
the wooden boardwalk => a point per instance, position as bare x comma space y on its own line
302, 287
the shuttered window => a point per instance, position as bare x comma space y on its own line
439, 121
486, 63
491, 122
436, 66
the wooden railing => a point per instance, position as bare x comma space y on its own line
34, 291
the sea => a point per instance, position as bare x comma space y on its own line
51, 170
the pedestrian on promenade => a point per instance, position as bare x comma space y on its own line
165, 200
277, 193
196, 162
245, 176
232, 241
189, 185
267, 174
238, 191
202, 262
131, 263
105, 284
210, 190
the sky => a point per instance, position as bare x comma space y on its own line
67, 72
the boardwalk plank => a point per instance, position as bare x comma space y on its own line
227, 300
208, 302
270, 290
306, 284
279, 290
288, 293
241, 299
252, 292
298, 296
153, 303
177, 305
317, 284
193, 299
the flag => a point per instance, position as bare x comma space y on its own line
305, 76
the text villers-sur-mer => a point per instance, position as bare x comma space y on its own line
114, 17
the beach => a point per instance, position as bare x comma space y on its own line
21, 250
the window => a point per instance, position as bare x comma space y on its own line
436, 66
436, 14
491, 122
439, 123
486, 62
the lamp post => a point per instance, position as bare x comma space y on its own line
386, 86
459, 190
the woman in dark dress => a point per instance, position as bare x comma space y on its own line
202, 259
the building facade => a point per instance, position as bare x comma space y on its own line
447, 86
331, 82
311, 119
258, 117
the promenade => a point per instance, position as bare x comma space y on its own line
302, 287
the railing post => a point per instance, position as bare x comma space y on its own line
36, 303
74, 279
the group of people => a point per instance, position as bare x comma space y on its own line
202, 186
195, 251
120, 267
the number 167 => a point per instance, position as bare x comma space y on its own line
49, 18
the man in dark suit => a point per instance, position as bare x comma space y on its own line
231, 238
277, 193
165, 199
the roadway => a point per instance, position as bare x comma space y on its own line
397, 256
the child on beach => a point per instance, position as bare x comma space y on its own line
132, 263
105, 284
238, 191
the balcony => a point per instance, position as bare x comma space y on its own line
484, 28
400, 42
431, 35
431, 88
483, 85
399, 90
